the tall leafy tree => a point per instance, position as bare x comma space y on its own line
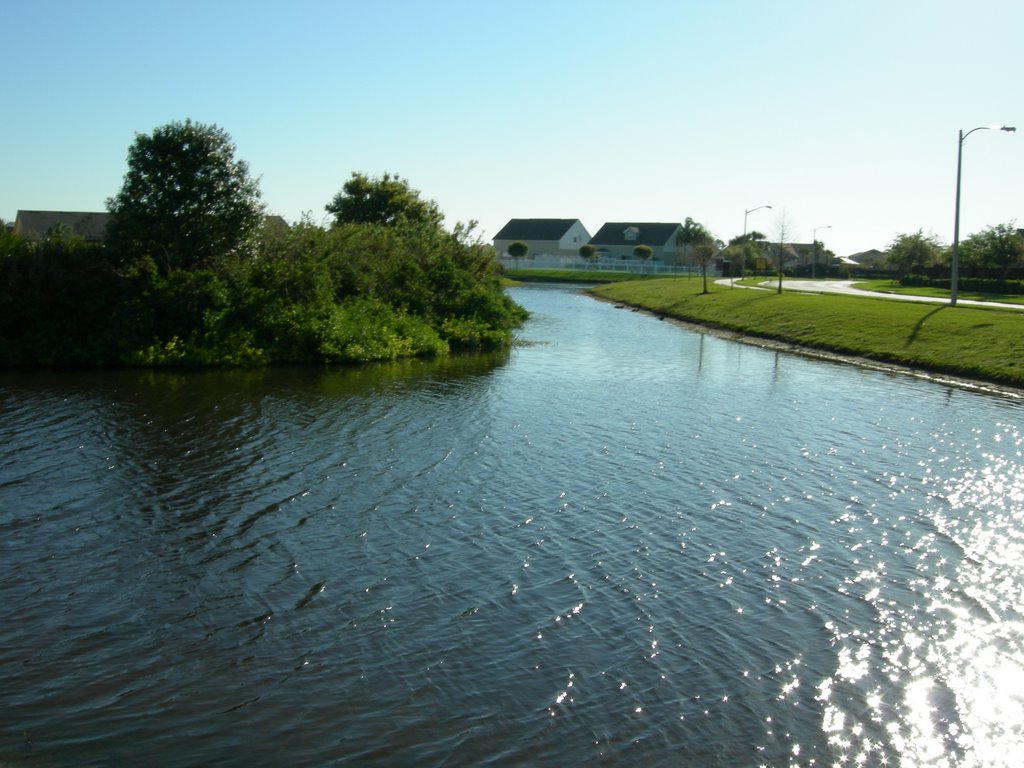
186, 201
915, 252
1000, 248
385, 200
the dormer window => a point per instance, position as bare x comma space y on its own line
631, 234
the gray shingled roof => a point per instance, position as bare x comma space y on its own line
650, 233
35, 225
535, 229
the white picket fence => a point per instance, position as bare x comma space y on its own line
577, 264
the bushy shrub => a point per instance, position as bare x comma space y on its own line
974, 284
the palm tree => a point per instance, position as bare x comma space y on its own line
693, 236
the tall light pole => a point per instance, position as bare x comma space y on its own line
814, 239
743, 253
955, 275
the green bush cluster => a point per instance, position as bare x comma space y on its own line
306, 294
973, 284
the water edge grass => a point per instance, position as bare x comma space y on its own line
984, 344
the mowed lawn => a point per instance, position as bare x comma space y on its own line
977, 343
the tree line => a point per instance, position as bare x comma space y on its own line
192, 272
995, 252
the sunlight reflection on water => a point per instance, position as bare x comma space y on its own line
956, 648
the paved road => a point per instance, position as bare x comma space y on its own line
846, 287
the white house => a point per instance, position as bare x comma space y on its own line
544, 237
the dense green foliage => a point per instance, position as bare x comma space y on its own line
185, 201
910, 253
310, 295
386, 200
981, 285
743, 250
978, 343
193, 274
999, 249
991, 289
518, 249
643, 252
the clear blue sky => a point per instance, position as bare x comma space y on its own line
834, 112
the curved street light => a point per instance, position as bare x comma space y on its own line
955, 274
814, 241
743, 255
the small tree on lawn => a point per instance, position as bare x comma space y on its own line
784, 228
588, 253
518, 249
643, 252
703, 253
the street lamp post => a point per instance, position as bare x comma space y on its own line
814, 239
955, 272
743, 253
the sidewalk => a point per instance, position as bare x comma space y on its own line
846, 287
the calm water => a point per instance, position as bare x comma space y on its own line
621, 543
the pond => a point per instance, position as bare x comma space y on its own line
620, 542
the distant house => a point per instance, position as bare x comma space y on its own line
869, 258
544, 237
36, 225
616, 240
794, 255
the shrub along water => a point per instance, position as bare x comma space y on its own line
353, 293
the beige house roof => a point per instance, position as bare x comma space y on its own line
36, 225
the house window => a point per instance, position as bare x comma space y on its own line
631, 234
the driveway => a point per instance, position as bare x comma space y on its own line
846, 287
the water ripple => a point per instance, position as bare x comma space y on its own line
630, 544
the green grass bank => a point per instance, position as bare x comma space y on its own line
974, 343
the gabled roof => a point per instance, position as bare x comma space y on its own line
647, 233
872, 254
535, 229
35, 225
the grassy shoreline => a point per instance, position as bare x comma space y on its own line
975, 344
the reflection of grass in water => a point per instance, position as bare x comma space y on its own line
974, 342
529, 343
